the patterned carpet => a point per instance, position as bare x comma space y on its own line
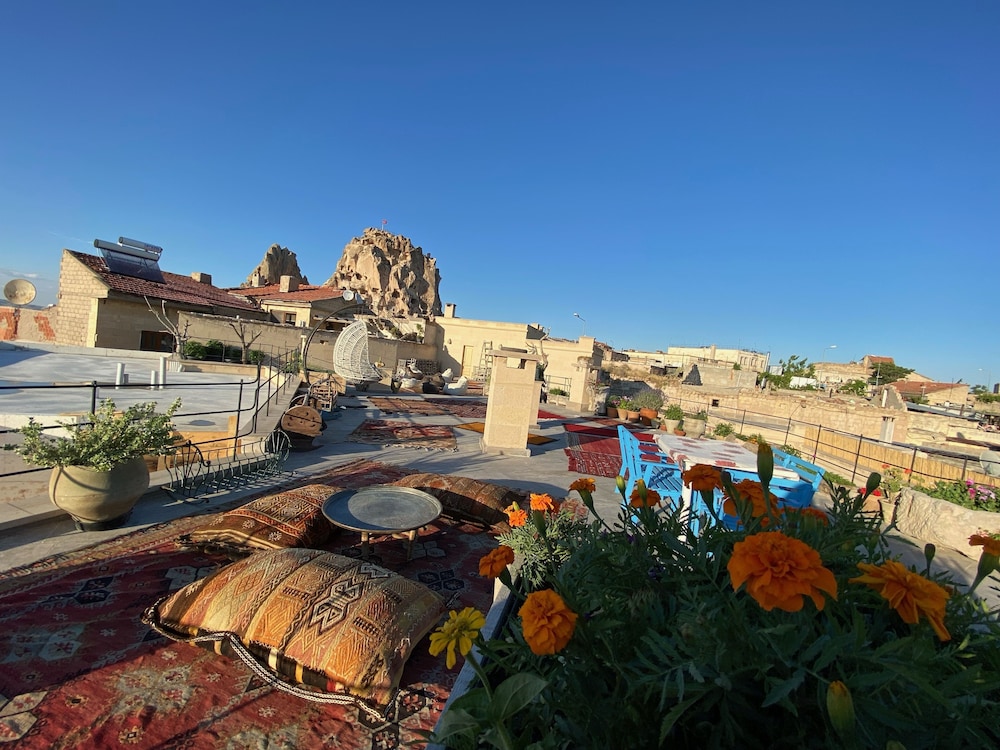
78, 669
405, 434
480, 426
412, 405
463, 408
594, 450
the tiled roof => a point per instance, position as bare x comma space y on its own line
175, 288
884, 360
915, 388
305, 293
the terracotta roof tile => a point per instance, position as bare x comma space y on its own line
305, 293
916, 388
175, 288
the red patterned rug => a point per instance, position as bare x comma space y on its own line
463, 408
78, 669
413, 405
405, 434
595, 450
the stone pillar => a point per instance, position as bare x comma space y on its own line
512, 404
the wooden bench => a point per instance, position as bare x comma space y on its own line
210, 467
798, 494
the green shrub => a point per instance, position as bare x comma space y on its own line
648, 398
214, 348
836, 479
194, 350
723, 429
967, 494
256, 357
791, 450
673, 411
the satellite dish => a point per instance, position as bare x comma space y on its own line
19, 291
990, 461
348, 295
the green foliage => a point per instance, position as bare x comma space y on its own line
793, 367
836, 479
888, 372
648, 398
988, 398
737, 366
723, 429
700, 415
194, 350
673, 411
557, 391
106, 439
214, 349
293, 363
256, 357
543, 554
968, 494
665, 653
854, 387
791, 450
627, 404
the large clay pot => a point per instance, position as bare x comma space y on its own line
694, 427
632, 416
669, 425
646, 416
95, 499
612, 411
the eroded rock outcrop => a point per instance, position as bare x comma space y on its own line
278, 261
392, 275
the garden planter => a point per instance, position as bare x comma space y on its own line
646, 416
612, 411
99, 500
931, 519
631, 416
669, 425
694, 427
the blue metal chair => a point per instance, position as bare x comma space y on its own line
644, 461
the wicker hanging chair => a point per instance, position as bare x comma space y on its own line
350, 357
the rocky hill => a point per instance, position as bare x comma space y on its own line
392, 275
278, 261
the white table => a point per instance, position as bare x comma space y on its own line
687, 452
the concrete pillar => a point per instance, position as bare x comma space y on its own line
512, 404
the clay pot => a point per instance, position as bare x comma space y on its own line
646, 416
695, 427
612, 411
99, 500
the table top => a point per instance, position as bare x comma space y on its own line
383, 509
687, 452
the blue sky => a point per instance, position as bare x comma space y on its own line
782, 176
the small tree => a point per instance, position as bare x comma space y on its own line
888, 372
180, 334
245, 337
793, 367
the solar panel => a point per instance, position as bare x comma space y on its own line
137, 262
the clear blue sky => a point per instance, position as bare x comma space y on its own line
783, 176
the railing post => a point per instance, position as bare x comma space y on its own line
788, 429
743, 421
93, 396
913, 462
857, 457
819, 429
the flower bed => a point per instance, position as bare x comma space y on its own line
940, 521
770, 628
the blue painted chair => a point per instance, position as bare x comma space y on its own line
641, 460
798, 494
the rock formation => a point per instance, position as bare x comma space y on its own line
393, 276
278, 261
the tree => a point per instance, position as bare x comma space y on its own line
854, 387
793, 367
180, 334
241, 330
888, 372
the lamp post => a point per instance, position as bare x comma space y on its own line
832, 346
577, 315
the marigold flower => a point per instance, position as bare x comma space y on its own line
840, 706
989, 543
780, 571
516, 516
752, 491
909, 593
493, 564
543, 503
643, 497
584, 484
701, 477
546, 621
458, 631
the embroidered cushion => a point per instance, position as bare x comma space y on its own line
293, 518
323, 626
468, 499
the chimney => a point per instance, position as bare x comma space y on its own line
202, 278
449, 310
257, 281
289, 284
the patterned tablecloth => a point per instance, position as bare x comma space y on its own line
687, 452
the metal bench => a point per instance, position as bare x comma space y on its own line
200, 469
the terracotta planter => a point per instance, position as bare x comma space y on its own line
95, 499
632, 416
612, 411
646, 416
669, 425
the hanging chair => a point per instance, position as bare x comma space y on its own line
350, 357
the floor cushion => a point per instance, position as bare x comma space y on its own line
292, 518
323, 626
468, 499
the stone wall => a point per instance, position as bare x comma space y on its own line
28, 324
80, 292
940, 522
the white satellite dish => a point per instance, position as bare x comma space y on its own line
19, 291
348, 295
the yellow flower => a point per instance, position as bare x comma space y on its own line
989, 543
780, 571
460, 629
583, 485
909, 593
543, 503
546, 621
494, 563
701, 477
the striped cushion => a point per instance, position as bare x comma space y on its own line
338, 629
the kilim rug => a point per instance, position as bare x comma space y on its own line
395, 405
542, 414
78, 668
463, 408
405, 434
595, 450
480, 426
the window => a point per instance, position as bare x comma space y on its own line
290, 318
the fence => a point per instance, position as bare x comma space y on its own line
272, 380
853, 457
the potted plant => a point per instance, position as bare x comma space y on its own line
98, 470
649, 400
612, 405
695, 424
670, 417
628, 410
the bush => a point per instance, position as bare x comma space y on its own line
723, 429
256, 357
194, 350
214, 349
968, 494
648, 398
791, 450
673, 411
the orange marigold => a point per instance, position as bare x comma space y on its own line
516, 516
909, 593
493, 564
753, 492
543, 503
989, 543
701, 477
643, 497
584, 484
780, 571
546, 621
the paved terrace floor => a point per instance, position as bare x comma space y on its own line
33, 529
